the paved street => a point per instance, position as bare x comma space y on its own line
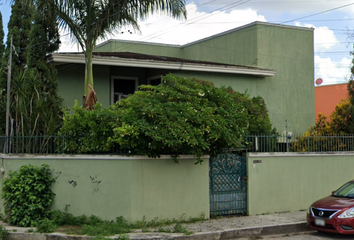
304, 236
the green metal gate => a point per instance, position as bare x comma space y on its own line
228, 184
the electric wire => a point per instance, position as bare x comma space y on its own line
196, 20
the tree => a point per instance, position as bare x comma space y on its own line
89, 20
2, 46
36, 108
2, 69
45, 39
350, 109
19, 27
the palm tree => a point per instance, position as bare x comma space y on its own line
89, 20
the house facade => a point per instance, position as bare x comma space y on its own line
269, 60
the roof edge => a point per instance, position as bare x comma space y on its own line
206, 38
172, 65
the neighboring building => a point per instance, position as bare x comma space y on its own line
270, 60
328, 96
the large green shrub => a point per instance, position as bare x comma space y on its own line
27, 195
88, 131
180, 116
256, 112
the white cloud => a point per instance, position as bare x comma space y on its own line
332, 72
163, 29
198, 25
294, 6
324, 38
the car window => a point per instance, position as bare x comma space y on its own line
347, 190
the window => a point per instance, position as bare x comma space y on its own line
121, 87
154, 81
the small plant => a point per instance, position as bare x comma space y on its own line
94, 226
30, 230
4, 234
161, 229
178, 228
124, 237
27, 195
46, 226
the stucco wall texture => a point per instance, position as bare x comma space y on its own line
285, 182
132, 187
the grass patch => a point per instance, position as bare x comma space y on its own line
65, 222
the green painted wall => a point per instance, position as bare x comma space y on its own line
113, 186
287, 50
71, 83
292, 182
139, 47
238, 47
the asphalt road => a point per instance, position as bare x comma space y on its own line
305, 236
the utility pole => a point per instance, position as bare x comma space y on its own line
6, 150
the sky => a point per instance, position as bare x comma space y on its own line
332, 21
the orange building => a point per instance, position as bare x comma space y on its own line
328, 96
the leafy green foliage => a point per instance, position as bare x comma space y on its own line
181, 116
33, 111
178, 228
2, 46
46, 226
19, 27
4, 233
323, 130
44, 30
94, 226
27, 195
88, 130
35, 106
256, 112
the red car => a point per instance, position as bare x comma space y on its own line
334, 213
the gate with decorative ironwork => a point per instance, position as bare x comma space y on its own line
228, 184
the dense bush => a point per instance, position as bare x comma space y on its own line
27, 195
256, 112
88, 131
179, 116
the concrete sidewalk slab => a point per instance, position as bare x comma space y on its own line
214, 229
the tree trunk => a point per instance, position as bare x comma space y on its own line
88, 71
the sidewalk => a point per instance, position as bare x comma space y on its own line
214, 229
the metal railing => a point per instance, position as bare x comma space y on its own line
252, 143
32, 144
299, 143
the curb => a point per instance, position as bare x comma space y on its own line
217, 235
